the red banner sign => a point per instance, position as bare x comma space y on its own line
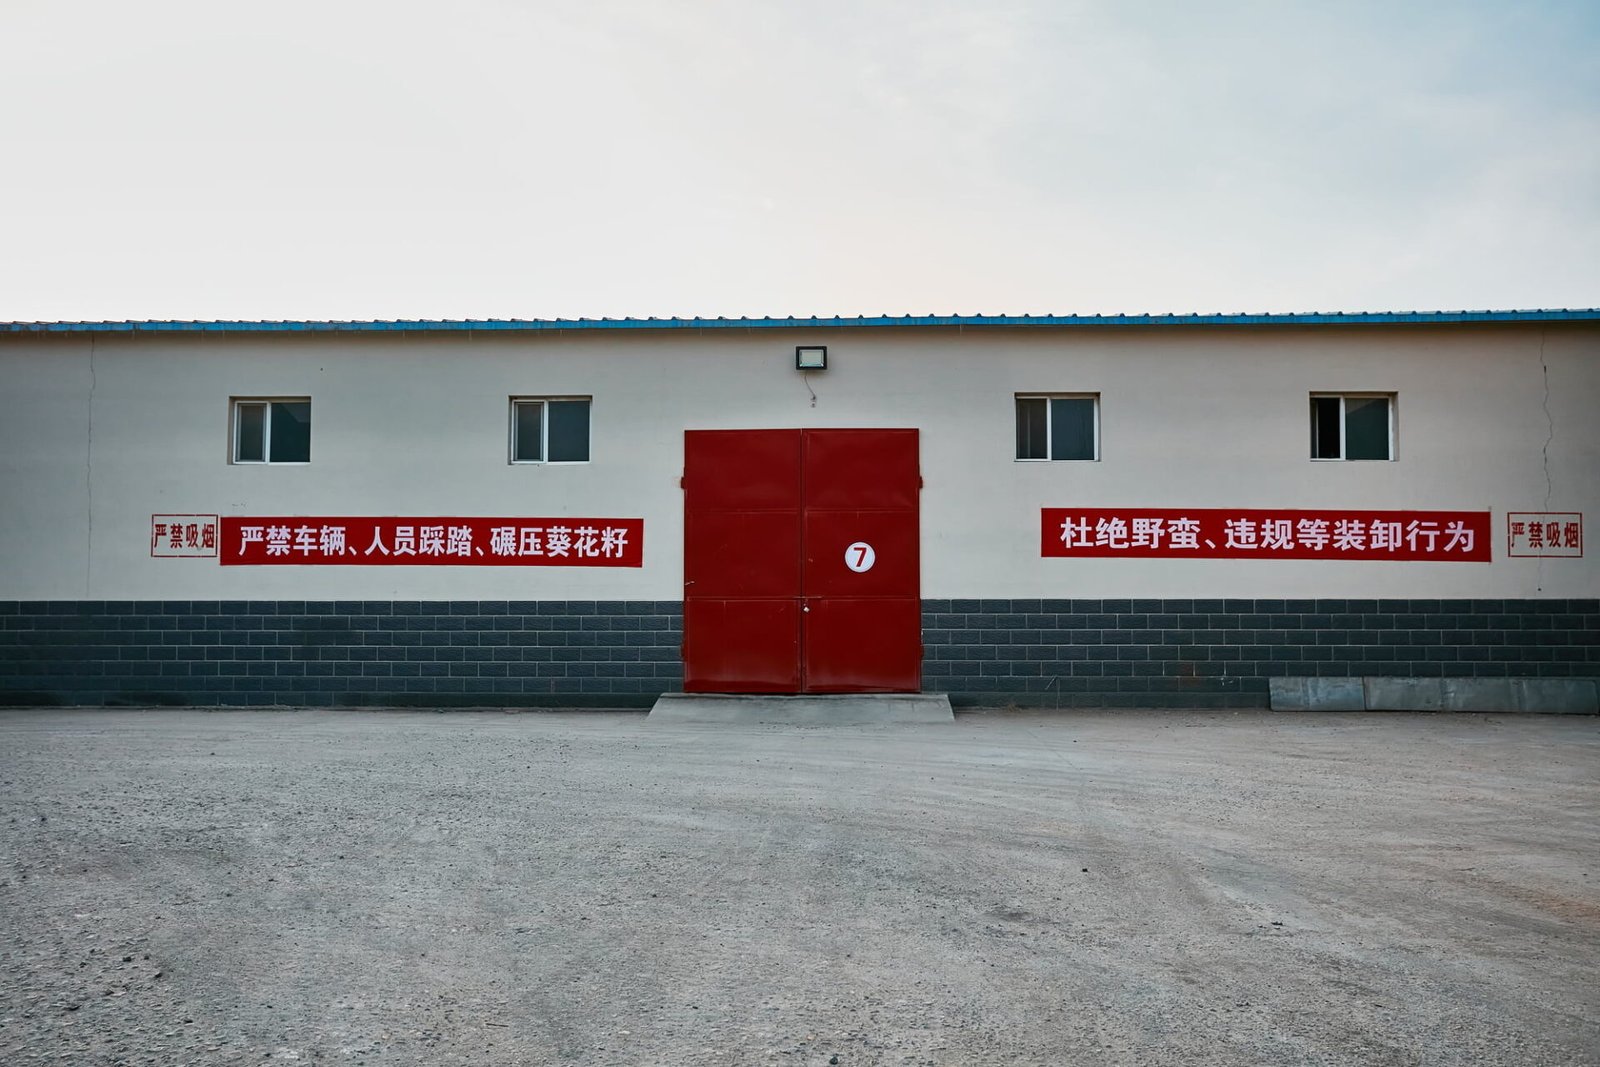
1238, 533
432, 542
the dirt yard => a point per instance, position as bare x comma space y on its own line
486, 889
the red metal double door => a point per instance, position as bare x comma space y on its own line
801, 566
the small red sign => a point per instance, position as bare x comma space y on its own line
1240, 533
183, 535
1545, 533
432, 542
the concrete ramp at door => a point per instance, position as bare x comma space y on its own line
846, 709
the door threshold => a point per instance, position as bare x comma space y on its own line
809, 709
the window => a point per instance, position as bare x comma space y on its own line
1058, 427
276, 430
1352, 426
550, 429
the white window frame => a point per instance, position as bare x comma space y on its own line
1049, 426
1344, 448
544, 432
266, 460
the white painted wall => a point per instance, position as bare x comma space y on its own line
416, 425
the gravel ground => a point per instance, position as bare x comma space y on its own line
1130, 888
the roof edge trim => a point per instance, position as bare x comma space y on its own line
1358, 318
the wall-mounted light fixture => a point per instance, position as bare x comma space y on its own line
811, 357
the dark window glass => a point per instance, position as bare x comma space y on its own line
569, 431
528, 430
1031, 427
252, 428
1072, 428
1325, 427
291, 431
1366, 427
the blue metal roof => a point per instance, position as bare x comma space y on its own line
1316, 318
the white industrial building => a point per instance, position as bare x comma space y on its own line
1112, 511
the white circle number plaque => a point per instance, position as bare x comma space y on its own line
860, 557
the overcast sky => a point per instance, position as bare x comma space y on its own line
539, 159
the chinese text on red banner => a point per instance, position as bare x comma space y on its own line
1238, 533
437, 542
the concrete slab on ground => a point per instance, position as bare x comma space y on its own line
1547, 696
1317, 694
1556, 696
841, 709
1405, 694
